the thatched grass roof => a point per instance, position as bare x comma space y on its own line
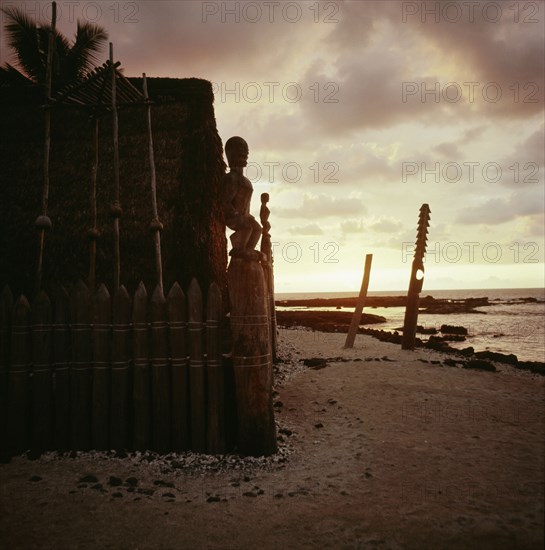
189, 166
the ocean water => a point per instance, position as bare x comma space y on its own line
508, 326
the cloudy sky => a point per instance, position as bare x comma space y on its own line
357, 113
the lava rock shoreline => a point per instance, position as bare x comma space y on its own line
427, 304
339, 321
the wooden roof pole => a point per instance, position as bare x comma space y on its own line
43, 222
156, 226
116, 207
93, 232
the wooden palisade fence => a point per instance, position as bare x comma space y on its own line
86, 371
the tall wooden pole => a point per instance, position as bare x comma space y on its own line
417, 280
116, 207
155, 226
93, 232
351, 336
43, 222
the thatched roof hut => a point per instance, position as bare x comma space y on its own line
189, 167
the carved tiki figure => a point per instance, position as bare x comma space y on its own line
237, 197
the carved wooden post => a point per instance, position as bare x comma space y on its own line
250, 326
142, 381
215, 432
160, 373
61, 355
417, 280
18, 379
42, 390
6, 306
266, 249
80, 372
180, 372
119, 400
196, 368
102, 333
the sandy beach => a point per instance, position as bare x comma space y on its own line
381, 448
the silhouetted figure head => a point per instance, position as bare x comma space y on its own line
236, 150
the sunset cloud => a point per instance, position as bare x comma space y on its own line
346, 98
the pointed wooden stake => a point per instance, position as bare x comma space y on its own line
356, 318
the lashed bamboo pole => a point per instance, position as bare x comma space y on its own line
89, 79
156, 226
43, 222
356, 318
116, 207
93, 232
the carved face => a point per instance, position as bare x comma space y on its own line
237, 152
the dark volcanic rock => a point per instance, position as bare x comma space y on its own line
315, 363
451, 329
457, 306
161, 483
386, 336
436, 343
510, 359
326, 321
453, 338
532, 366
88, 479
480, 364
423, 330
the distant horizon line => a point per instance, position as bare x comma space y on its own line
356, 292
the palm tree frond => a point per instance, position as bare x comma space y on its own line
30, 44
88, 42
22, 37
